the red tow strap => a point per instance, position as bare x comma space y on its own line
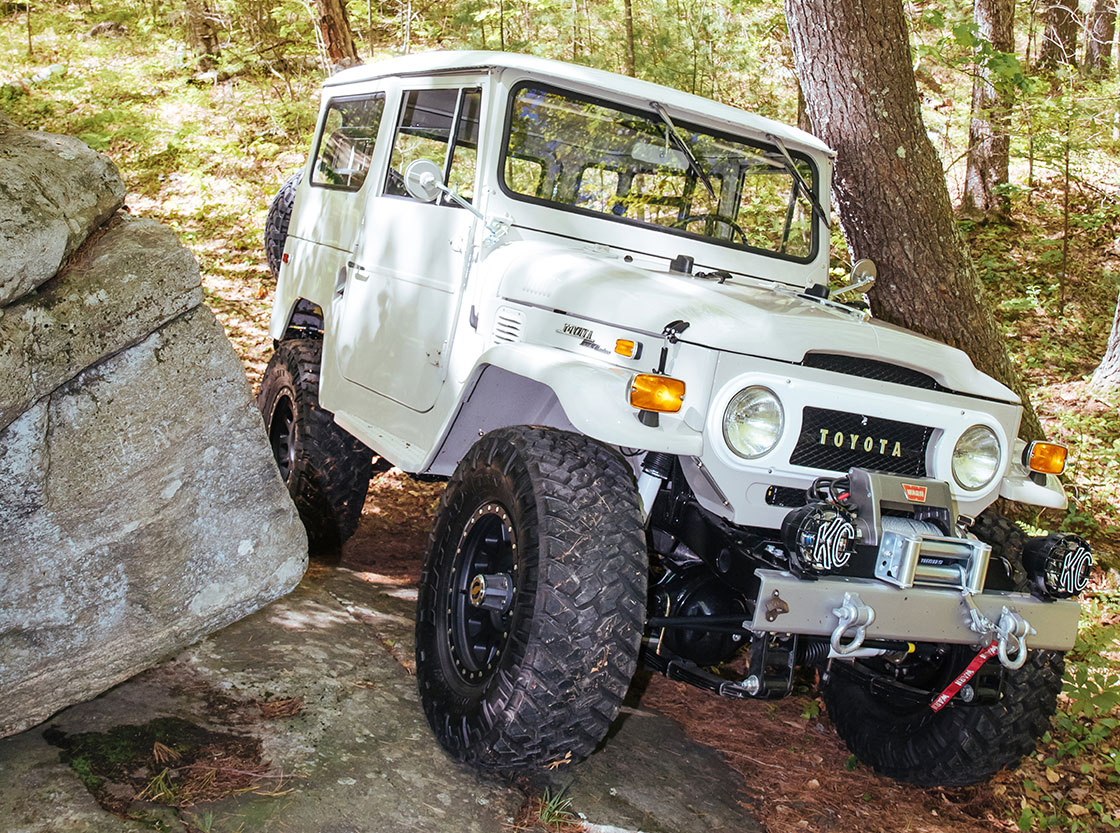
942, 699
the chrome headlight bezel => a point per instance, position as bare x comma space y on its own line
763, 401
977, 445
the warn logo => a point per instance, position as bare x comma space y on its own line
915, 493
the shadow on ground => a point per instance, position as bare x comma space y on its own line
304, 717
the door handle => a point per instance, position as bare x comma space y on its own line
359, 271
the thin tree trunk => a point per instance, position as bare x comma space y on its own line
853, 61
628, 14
334, 26
1059, 40
1098, 36
202, 34
989, 139
1107, 374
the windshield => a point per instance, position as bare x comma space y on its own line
593, 157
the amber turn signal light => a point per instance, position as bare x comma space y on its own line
1048, 458
656, 393
626, 347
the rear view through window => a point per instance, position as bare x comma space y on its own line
349, 134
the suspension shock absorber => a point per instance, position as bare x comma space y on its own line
656, 469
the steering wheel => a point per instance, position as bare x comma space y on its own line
710, 221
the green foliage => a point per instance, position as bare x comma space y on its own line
554, 810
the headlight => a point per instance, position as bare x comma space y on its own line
976, 457
753, 422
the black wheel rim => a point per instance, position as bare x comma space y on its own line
280, 435
478, 636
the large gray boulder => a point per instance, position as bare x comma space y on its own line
140, 507
131, 278
54, 191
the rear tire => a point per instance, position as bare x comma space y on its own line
277, 221
327, 471
961, 744
537, 679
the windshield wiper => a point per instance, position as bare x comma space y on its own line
676, 138
800, 180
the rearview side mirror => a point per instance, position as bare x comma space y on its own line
422, 180
864, 273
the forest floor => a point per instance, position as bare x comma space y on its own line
204, 158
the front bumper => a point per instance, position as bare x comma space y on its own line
788, 604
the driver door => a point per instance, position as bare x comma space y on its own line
412, 258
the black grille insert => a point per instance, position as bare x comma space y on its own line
838, 441
871, 369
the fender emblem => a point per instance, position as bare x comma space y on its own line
915, 493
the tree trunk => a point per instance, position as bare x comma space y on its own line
1059, 40
334, 26
1107, 374
202, 33
989, 139
1098, 36
803, 120
853, 61
628, 14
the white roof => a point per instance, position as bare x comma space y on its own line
423, 63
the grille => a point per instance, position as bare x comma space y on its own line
786, 496
838, 441
507, 326
871, 369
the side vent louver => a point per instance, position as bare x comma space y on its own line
507, 326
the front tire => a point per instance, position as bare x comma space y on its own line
961, 744
326, 470
532, 600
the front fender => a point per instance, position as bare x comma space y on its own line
594, 397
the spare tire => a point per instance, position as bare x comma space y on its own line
276, 223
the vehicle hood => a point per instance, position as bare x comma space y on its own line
740, 316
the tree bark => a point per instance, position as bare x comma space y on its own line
1098, 36
989, 139
338, 38
803, 120
202, 33
1059, 39
853, 61
1107, 374
628, 15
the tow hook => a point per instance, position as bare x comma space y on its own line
855, 615
1009, 634
1013, 628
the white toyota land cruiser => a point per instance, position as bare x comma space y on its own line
598, 306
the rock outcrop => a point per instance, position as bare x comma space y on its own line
140, 507
54, 191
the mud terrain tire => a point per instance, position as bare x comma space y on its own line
539, 683
276, 223
326, 470
959, 745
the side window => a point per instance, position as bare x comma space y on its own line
345, 150
464, 155
441, 126
525, 176
598, 189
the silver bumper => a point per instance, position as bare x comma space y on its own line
915, 614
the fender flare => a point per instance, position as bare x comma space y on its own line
592, 395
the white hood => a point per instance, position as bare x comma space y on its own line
772, 323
